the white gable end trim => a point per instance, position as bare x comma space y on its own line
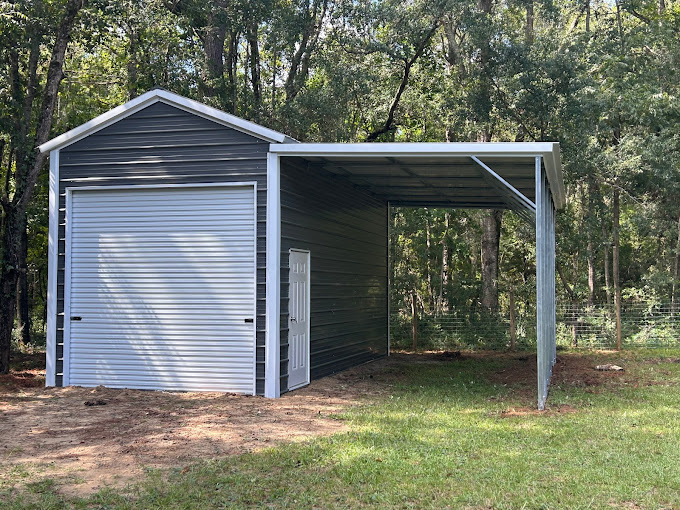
181, 102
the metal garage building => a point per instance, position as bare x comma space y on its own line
193, 250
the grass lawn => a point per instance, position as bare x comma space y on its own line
452, 434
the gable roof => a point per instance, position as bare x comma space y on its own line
172, 99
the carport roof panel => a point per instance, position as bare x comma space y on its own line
436, 174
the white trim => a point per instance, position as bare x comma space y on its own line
549, 151
52, 267
67, 260
526, 149
254, 288
67, 291
154, 96
165, 185
553, 170
308, 306
272, 382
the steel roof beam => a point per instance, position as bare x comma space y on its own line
512, 196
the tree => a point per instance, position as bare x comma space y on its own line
26, 27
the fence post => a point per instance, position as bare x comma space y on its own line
513, 330
414, 320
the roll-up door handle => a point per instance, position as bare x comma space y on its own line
248, 320
293, 319
76, 318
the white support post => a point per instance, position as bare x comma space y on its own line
540, 282
272, 378
52, 263
545, 284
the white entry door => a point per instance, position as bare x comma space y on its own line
298, 319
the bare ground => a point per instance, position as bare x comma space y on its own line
87, 438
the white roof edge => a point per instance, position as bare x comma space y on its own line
553, 169
416, 148
549, 151
153, 96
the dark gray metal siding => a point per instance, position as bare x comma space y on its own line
162, 144
345, 229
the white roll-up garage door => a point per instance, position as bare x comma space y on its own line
160, 288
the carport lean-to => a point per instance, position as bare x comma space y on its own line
525, 177
193, 250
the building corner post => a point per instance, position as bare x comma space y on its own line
272, 382
52, 262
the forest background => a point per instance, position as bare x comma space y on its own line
600, 77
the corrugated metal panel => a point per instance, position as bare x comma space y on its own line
345, 230
148, 148
163, 280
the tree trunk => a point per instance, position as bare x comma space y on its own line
28, 165
428, 260
408, 65
231, 89
22, 291
676, 268
8, 285
132, 67
529, 26
586, 192
255, 69
574, 304
615, 266
591, 269
491, 235
298, 69
213, 36
607, 279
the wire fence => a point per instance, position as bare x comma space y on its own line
578, 325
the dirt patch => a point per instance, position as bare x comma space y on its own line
86, 438
569, 370
579, 371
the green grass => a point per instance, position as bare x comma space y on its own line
441, 439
